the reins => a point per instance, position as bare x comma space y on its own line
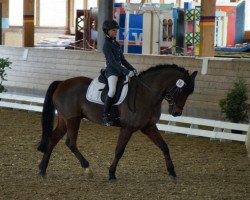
169, 96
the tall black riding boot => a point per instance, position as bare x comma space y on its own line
107, 107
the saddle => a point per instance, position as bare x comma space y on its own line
98, 89
119, 86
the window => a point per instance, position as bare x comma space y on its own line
53, 13
92, 4
16, 12
155, 1
135, 1
78, 5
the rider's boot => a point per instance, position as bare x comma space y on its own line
107, 107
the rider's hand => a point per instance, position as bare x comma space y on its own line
131, 74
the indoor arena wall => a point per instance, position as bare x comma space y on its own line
33, 69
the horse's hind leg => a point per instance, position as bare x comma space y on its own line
155, 136
57, 134
125, 135
73, 125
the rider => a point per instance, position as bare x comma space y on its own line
116, 64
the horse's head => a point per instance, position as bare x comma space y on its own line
173, 83
178, 94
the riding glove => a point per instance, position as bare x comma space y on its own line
131, 74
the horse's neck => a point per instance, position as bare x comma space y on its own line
160, 80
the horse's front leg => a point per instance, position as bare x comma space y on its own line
155, 136
125, 135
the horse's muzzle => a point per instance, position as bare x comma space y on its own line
176, 114
175, 111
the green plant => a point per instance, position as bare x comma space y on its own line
234, 106
4, 64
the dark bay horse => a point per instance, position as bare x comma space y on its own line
146, 92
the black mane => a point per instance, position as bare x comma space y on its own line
162, 66
189, 83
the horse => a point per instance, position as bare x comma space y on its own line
140, 110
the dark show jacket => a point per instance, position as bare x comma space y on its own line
115, 59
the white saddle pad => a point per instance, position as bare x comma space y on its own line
94, 93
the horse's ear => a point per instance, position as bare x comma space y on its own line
193, 75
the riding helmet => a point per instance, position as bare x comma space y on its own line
109, 24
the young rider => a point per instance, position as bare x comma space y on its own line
116, 64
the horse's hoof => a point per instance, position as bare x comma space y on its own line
88, 171
112, 178
42, 174
172, 173
173, 179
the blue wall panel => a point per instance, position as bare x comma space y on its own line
134, 34
5, 22
240, 23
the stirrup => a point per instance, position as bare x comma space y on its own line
106, 121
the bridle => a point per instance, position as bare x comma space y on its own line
169, 96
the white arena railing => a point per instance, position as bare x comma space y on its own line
21, 102
203, 127
212, 129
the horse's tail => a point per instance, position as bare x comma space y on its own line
48, 114
248, 142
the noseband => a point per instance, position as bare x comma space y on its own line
174, 91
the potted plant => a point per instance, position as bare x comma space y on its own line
4, 63
234, 106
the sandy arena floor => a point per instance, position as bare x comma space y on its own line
205, 169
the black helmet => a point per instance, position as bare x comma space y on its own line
109, 24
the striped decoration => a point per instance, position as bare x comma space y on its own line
207, 21
28, 18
